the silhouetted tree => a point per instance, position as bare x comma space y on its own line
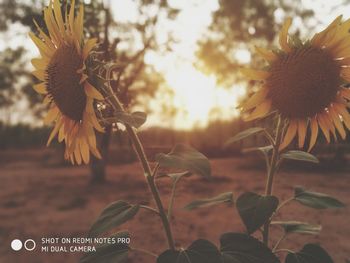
126, 44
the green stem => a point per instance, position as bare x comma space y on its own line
284, 203
279, 242
271, 173
172, 198
145, 165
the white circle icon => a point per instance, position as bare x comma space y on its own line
29, 245
16, 244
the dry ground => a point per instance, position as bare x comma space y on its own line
38, 201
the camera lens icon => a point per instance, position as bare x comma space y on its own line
17, 245
29, 245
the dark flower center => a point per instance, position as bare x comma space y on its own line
63, 82
303, 82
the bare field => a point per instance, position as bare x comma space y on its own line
38, 201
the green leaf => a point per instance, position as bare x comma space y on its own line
298, 227
300, 156
316, 200
200, 251
109, 253
112, 216
244, 134
219, 199
311, 253
242, 248
135, 119
255, 210
184, 157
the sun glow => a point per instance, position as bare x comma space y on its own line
198, 99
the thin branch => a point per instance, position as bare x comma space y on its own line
279, 242
149, 209
155, 170
284, 203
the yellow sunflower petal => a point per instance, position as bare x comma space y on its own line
345, 73
324, 127
96, 153
90, 135
337, 122
290, 134
345, 92
94, 122
314, 133
340, 34
78, 24
58, 16
255, 100
40, 88
73, 133
89, 106
85, 153
71, 16
260, 111
90, 117
61, 133
266, 54
83, 78
71, 158
52, 115
283, 35
342, 110
343, 50
339, 46
52, 26
77, 153
320, 38
89, 45
44, 36
54, 131
92, 92
39, 63
302, 126
330, 124
70, 124
44, 49
255, 74
47, 100
39, 74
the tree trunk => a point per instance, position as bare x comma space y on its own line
98, 166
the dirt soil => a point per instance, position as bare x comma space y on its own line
38, 200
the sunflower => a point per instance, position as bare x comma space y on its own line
305, 82
61, 70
